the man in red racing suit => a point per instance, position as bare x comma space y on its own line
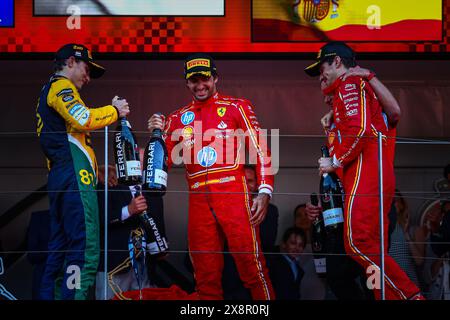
213, 132
358, 117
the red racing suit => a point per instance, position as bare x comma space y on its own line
212, 137
358, 118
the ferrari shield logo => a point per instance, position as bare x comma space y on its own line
221, 111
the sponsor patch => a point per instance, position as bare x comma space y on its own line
223, 102
207, 157
350, 86
349, 94
76, 109
223, 134
84, 118
187, 118
352, 113
71, 104
197, 62
67, 98
64, 92
353, 105
187, 132
350, 99
79, 113
222, 125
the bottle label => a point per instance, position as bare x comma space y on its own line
320, 265
333, 216
155, 247
120, 162
161, 177
152, 248
133, 168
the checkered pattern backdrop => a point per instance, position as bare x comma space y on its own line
146, 35
433, 46
159, 34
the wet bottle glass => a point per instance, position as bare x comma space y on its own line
318, 244
157, 243
332, 199
126, 155
155, 164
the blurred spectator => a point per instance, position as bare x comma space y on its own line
440, 241
402, 248
284, 269
302, 221
233, 287
440, 244
442, 186
432, 271
38, 236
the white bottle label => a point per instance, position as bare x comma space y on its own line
133, 168
152, 248
161, 177
320, 265
333, 216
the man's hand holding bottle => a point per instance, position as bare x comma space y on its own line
156, 121
137, 205
313, 211
121, 105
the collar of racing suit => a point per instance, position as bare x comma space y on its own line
331, 88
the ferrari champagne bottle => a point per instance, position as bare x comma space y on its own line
155, 164
126, 155
332, 198
318, 236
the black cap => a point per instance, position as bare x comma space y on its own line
80, 52
199, 63
331, 49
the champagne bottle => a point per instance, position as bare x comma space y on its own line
332, 198
126, 154
155, 164
157, 243
318, 241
